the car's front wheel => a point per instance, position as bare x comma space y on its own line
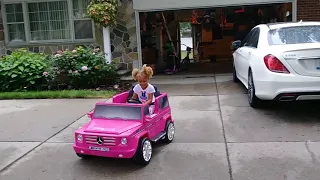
170, 130
252, 98
144, 152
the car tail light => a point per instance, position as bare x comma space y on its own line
274, 64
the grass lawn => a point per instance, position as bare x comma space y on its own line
65, 94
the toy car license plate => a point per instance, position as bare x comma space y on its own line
98, 148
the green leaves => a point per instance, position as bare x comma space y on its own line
80, 68
21, 70
103, 12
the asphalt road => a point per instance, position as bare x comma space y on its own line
218, 137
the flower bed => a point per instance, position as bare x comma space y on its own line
81, 68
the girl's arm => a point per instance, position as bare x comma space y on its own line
150, 98
134, 96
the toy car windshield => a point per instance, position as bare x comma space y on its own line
108, 111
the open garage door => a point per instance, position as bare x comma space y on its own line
160, 5
212, 42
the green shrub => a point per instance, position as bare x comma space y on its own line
22, 70
80, 68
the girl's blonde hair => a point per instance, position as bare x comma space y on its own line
147, 71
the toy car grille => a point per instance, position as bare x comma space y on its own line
100, 140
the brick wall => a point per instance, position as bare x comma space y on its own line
308, 10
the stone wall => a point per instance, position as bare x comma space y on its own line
123, 39
123, 36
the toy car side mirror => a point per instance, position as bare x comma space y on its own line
90, 114
148, 118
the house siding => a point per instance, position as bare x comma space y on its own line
308, 10
123, 39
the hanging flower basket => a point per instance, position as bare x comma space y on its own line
103, 12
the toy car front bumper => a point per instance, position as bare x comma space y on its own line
111, 153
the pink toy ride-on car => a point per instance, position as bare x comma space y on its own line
125, 129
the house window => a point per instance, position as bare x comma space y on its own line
48, 21
81, 20
15, 22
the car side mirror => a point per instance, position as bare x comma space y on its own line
236, 44
148, 118
90, 114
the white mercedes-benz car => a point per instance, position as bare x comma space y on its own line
279, 61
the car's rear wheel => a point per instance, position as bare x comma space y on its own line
170, 130
144, 152
252, 98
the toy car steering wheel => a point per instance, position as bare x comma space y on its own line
134, 101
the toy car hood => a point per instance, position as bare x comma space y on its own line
110, 126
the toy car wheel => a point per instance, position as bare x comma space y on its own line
144, 152
170, 130
83, 156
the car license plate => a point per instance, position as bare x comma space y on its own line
98, 148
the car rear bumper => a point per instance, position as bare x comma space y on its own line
112, 153
288, 88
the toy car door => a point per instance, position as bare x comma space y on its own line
150, 123
163, 113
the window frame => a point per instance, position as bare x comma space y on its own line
254, 39
161, 103
246, 39
27, 31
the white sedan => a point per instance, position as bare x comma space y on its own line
279, 61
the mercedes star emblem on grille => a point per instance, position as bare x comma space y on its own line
99, 140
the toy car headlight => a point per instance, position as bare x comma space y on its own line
79, 137
124, 141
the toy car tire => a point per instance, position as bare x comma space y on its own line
82, 156
145, 145
169, 132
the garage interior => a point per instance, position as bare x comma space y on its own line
209, 32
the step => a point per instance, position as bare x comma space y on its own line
123, 72
160, 136
126, 78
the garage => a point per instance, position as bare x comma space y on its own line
196, 36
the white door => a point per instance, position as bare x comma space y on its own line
250, 52
241, 56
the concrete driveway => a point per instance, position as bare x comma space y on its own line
218, 137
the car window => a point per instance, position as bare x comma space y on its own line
163, 102
294, 35
146, 110
117, 112
253, 42
246, 39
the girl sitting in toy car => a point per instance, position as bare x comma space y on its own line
143, 90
